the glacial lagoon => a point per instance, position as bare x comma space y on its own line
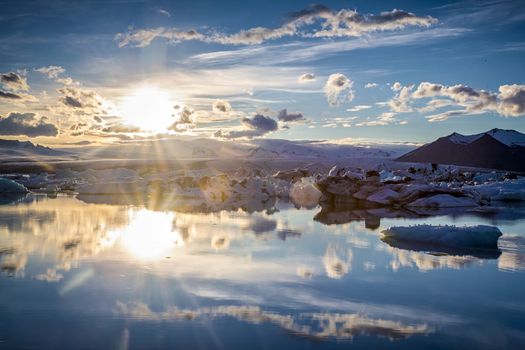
101, 273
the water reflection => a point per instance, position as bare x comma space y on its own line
319, 273
312, 325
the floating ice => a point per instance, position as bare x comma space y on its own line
467, 236
10, 186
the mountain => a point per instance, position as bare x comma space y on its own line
275, 148
26, 149
213, 148
494, 149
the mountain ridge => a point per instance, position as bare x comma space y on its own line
494, 149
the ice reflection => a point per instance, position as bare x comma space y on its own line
513, 257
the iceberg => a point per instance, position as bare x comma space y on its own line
479, 236
11, 187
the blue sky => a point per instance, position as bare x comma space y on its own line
386, 71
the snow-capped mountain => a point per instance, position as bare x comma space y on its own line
26, 149
253, 149
494, 149
510, 138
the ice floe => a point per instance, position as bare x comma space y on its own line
481, 236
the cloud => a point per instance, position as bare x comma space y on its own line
27, 124
14, 81
358, 108
221, 106
322, 22
338, 89
144, 37
258, 125
83, 101
400, 103
370, 85
313, 50
9, 95
470, 100
386, 118
121, 128
185, 119
261, 122
284, 116
51, 71
306, 78
17, 97
512, 100
509, 101
396, 86
164, 12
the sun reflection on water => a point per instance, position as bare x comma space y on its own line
149, 235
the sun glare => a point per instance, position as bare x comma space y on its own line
150, 235
149, 108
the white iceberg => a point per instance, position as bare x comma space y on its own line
482, 236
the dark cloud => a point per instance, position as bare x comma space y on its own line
261, 122
26, 124
83, 101
14, 81
284, 116
257, 126
185, 119
10, 95
221, 106
121, 128
71, 102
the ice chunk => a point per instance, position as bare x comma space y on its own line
305, 194
443, 201
466, 236
506, 191
10, 186
383, 196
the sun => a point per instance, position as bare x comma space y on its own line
149, 108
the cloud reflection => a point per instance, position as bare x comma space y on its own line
312, 325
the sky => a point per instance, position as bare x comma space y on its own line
408, 71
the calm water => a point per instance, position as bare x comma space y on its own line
83, 275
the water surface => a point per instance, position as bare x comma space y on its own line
97, 273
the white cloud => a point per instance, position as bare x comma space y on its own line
358, 108
51, 71
338, 89
342, 23
512, 100
306, 78
396, 86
